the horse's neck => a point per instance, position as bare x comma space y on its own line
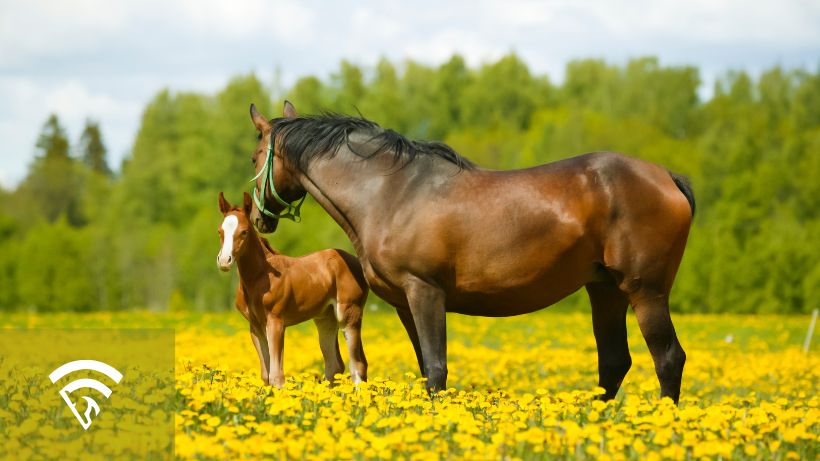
253, 262
350, 187
337, 209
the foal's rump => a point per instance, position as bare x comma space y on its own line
351, 274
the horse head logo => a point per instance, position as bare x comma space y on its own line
94, 365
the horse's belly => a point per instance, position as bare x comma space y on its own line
514, 289
511, 301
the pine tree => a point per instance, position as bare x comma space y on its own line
55, 181
92, 151
52, 142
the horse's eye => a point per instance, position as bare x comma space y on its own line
243, 233
253, 160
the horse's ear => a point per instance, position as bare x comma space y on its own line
289, 111
260, 122
224, 206
248, 203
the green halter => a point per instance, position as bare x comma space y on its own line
291, 211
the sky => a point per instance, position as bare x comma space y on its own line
106, 59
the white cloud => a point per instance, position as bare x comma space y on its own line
5, 180
474, 48
73, 101
713, 21
37, 28
245, 19
523, 13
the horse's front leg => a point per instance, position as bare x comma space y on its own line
406, 318
260, 342
427, 307
275, 335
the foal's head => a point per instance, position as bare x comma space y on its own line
234, 231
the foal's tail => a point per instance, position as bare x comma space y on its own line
686, 188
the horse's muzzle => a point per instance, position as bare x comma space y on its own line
263, 224
224, 262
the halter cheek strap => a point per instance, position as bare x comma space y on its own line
291, 211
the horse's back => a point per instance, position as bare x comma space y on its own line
611, 188
538, 234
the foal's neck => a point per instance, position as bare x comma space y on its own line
253, 262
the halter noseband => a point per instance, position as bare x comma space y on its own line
291, 211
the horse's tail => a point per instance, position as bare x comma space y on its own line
686, 188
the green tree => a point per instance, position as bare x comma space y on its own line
451, 79
54, 184
504, 92
52, 143
349, 86
384, 102
92, 151
52, 276
311, 94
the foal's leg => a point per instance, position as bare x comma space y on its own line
609, 305
328, 328
652, 311
353, 338
428, 311
275, 332
261, 345
406, 318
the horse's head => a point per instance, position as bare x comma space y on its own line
277, 186
234, 231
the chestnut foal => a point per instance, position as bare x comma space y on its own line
276, 291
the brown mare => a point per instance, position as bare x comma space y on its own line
276, 291
436, 234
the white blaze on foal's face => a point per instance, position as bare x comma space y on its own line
225, 256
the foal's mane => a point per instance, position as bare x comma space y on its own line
305, 138
266, 244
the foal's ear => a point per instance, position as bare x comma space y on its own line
289, 111
224, 206
248, 203
259, 121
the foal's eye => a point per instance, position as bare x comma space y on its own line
243, 233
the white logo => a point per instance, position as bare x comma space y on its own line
76, 365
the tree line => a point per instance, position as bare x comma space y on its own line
76, 236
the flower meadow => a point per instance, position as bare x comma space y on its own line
521, 388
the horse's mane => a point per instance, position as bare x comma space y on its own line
306, 138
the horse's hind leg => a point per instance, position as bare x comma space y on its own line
648, 293
328, 328
353, 338
652, 312
609, 305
